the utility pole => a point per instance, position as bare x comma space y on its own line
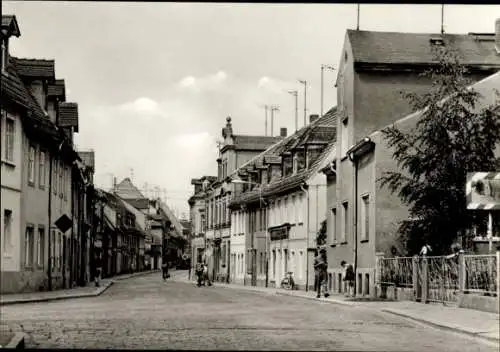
266, 107
304, 82
273, 109
295, 94
322, 84
132, 174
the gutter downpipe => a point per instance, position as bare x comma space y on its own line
355, 162
304, 188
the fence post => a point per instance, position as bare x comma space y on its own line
378, 289
462, 277
498, 276
425, 280
417, 288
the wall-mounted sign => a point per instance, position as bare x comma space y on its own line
279, 234
483, 190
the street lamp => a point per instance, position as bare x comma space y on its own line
252, 243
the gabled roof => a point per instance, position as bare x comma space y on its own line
127, 190
57, 89
324, 127
68, 115
164, 208
9, 22
416, 48
242, 142
35, 68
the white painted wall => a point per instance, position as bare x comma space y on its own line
11, 178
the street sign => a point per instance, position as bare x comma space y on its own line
483, 190
64, 223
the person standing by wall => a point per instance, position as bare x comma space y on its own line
349, 278
321, 266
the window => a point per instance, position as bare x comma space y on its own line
54, 176
345, 137
61, 173
29, 246
9, 138
41, 170
52, 247
65, 188
334, 226
345, 223
293, 211
300, 205
278, 211
7, 231
40, 259
5, 55
31, 165
365, 218
60, 249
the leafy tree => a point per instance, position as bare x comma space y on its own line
452, 137
321, 235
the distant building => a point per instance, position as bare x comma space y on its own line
234, 151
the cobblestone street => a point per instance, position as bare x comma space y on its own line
145, 312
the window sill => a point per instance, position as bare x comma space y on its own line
42, 187
31, 184
300, 223
341, 243
7, 256
333, 245
8, 163
364, 241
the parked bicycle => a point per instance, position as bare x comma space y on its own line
288, 283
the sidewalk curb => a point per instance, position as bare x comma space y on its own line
312, 298
17, 342
440, 326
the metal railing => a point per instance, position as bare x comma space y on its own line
443, 278
396, 271
480, 274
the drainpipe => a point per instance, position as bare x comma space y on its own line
304, 188
355, 162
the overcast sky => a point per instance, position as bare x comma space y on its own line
155, 81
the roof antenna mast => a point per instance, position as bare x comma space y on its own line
357, 21
442, 18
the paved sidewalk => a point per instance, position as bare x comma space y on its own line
461, 320
78, 292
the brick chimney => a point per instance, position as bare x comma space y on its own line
283, 132
313, 118
497, 35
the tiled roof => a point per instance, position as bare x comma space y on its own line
127, 190
139, 203
242, 142
415, 48
35, 68
68, 115
323, 129
10, 22
57, 89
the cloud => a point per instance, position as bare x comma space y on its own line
274, 86
199, 84
140, 106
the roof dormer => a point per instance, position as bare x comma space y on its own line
9, 28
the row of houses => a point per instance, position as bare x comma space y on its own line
258, 218
57, 227
46, 184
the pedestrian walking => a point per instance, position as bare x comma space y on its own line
98, 270
321, 267
164, 268
349, 278
199, 273
206, 279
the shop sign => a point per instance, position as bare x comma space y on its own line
279, 234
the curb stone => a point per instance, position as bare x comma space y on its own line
17, 342
95, 293
440, 326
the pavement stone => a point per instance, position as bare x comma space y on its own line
462, 320
146, 312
